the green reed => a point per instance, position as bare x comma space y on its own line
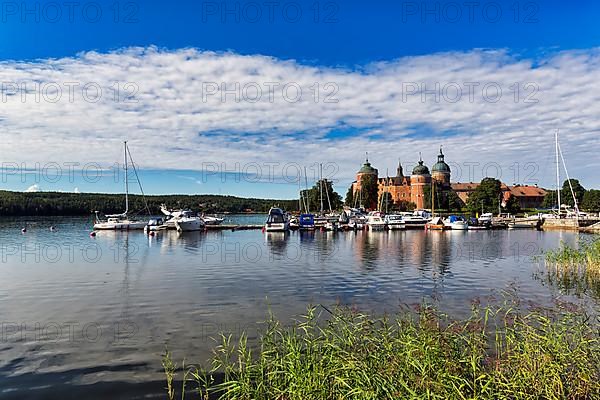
575, 269
495, 353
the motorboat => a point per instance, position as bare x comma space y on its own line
456, 223
155, 225
394, 222
277, 221
375, 222
356, 223
212, 220
307, 222
413, 220
485, 218
475, 225
121, 222
189, 223
294, 223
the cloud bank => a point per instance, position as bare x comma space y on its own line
181, 109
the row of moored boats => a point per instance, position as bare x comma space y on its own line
356, 219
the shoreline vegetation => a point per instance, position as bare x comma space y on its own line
17, 204
575, 270
498, 352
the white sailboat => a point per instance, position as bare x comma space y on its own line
121, 221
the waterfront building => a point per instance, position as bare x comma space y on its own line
412, 188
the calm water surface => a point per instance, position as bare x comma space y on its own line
90, 317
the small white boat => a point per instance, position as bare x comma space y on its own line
375, 223
277, 221
294, 223
416, 219
155, 225
456, 223
331, 226
394, 222
189, 223
356, 223
485, 218
212, 220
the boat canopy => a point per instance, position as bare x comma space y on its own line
307, 220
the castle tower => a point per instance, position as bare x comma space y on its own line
441, 171
366, 169
418, 180
399, 170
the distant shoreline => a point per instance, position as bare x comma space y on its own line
34, 204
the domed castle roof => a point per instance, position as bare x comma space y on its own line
367, 168
440, 165
420, 169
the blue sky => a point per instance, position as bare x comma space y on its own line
365, 55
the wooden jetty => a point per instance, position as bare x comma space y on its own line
595, 228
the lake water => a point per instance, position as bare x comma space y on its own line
90, 317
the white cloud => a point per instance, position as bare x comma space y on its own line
33, 189
170, 126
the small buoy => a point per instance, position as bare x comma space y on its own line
23, 230
93, 234
151, 233
263, 229
52, 229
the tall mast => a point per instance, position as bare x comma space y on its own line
126, 182
432, 198
575, 206
299, 192
307, 199
321, 185
557, 171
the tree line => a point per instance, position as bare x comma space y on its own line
588, 200
73, 204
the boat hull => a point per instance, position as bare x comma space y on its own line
457, 226
277, 227
396, 227
376, 227
120, 226
189, 225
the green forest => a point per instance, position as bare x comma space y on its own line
71, 204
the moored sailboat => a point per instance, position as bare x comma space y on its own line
121, 221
